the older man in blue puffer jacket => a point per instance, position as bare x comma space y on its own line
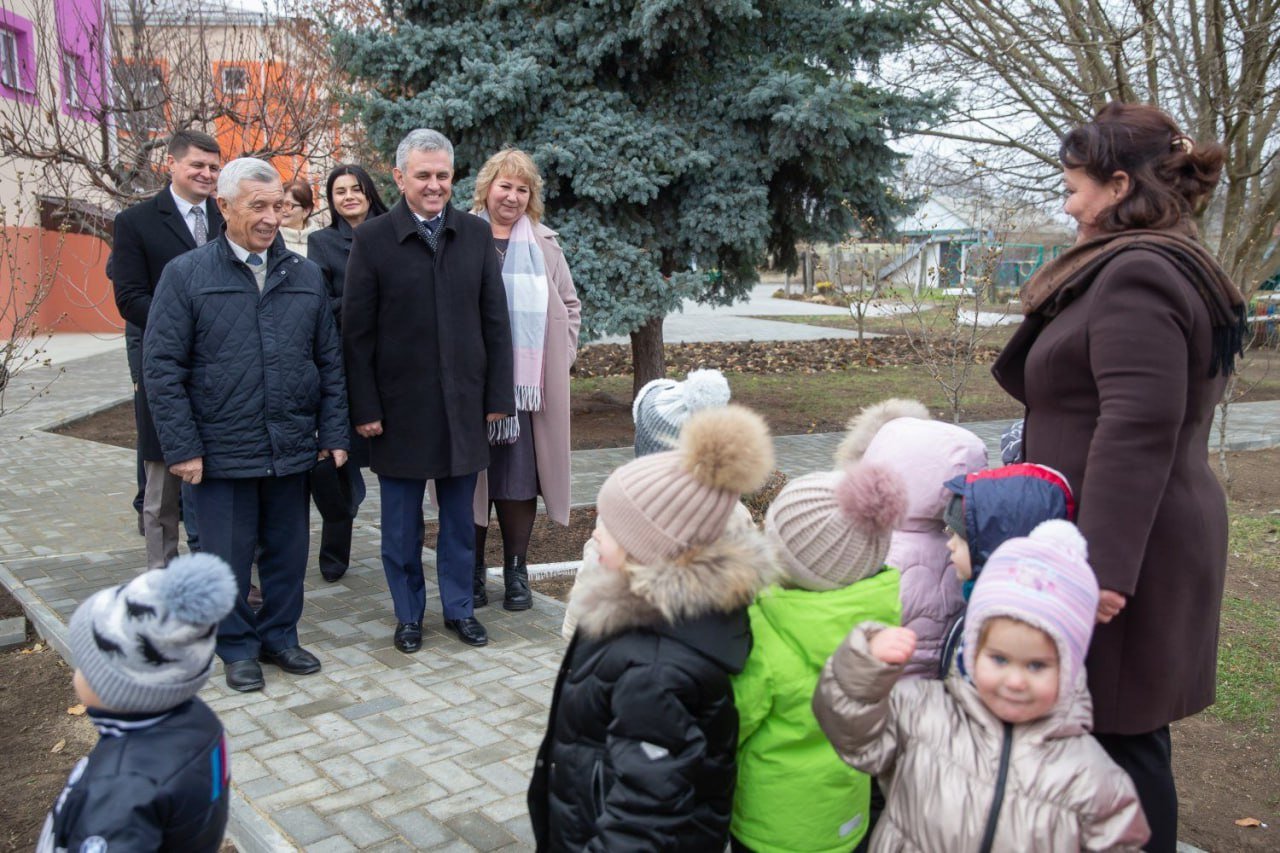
243, 369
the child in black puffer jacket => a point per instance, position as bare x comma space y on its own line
640, 747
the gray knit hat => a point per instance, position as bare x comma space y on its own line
833, 528
663, 405
147, 645
659, 506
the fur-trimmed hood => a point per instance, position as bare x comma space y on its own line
718, 578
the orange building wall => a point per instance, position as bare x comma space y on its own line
71, 271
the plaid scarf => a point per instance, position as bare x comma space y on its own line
524, 274
1059, 282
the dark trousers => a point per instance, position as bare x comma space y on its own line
1148, 759
133, 355
189, 517
402, 545
335, 536
266, 517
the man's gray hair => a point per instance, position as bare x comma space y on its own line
244, 169
423, 139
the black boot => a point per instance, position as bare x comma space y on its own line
479, 595
515, 575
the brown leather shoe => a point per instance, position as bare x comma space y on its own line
254, 598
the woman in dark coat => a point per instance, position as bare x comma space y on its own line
352, 199
1128, 341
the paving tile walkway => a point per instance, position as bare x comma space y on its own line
380, 751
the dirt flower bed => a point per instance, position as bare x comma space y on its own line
767, 357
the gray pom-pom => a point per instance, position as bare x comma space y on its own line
704, 389
198, 589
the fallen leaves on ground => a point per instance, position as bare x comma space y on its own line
38, 647
59, 746
76, 710
1249, 821
776, 357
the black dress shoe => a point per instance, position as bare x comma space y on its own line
295, 660
332, 573
469, 630
408, 637
515, 578
244, 675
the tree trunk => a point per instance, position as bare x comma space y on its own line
647, 358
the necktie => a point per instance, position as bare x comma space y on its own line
253, 260
201, 229
429, 231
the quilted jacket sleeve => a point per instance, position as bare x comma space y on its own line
167, 363
334, 428
853, 704
656, 750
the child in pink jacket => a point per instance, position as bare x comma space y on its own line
925, 453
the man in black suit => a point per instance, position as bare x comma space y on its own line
427, 343
179, 218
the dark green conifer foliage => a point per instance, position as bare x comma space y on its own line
670, 132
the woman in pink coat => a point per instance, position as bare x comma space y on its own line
529, 452
925, 453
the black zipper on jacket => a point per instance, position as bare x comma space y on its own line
993, 816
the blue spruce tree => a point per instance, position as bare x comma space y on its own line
684, 143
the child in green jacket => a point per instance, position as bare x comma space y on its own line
831, 532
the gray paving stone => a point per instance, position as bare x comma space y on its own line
303, 825
480, 832
360, 827
13, 631
421, 830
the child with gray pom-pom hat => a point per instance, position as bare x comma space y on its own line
158, 778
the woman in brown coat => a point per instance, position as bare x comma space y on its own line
1127, 343
529, 452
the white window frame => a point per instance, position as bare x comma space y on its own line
10, 60
70, 81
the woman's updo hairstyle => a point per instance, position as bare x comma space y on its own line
1170, 175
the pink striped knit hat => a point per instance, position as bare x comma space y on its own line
1045, 581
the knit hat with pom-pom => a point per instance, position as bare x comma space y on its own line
832, 529
659, 506
1045, 581
147, 645
664, 405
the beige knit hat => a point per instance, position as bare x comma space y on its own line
659, 506
832, 529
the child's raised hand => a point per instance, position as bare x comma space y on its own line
893, 645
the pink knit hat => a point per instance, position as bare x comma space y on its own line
1045, 581
832, 529
659, 506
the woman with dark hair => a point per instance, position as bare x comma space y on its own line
352, 199
1127, 343
299, 203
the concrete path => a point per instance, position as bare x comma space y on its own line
380, 751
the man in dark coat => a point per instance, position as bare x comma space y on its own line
427, 344
146, 237
244, 377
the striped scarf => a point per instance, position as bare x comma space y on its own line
524, 274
